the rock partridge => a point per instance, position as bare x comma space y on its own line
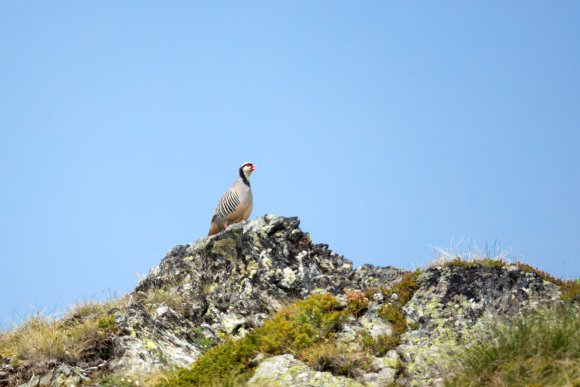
236, 204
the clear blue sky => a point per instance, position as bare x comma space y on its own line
387, 127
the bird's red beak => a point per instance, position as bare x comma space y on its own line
253, 167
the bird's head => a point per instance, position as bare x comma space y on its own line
247, 168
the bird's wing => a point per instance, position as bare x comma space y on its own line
227, 204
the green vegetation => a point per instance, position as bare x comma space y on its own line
358, 301
380, 345
540, 348
396, 297
113, 381
301, 324
305, 329
392, 310
394, 315
404, 289
202, 341
84, 333
228, 364
479, 262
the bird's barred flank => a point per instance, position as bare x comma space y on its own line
228, 204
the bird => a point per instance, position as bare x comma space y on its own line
236, 204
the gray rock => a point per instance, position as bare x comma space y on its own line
455, 301
62, 375
228, 284
284, 370
390, 360
374, 325
384, 377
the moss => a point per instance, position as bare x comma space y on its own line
228, 364
405, 288
394, 315
301, 324
485, 262
293, 330
397, 296
307, 330
380, 345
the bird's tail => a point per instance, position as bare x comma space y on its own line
214, 228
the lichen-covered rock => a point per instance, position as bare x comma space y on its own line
225, 285
453, 301
149, 343
284, 370
384, 370
46, 374
230, 283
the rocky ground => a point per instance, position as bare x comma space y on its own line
229, 284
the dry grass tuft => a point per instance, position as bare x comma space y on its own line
84, 333
336, 358
156, 297
36, 339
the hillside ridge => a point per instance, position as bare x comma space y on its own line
227, 286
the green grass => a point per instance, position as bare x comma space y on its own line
540, 348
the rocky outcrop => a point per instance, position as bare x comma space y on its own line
455, 301
228, 284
